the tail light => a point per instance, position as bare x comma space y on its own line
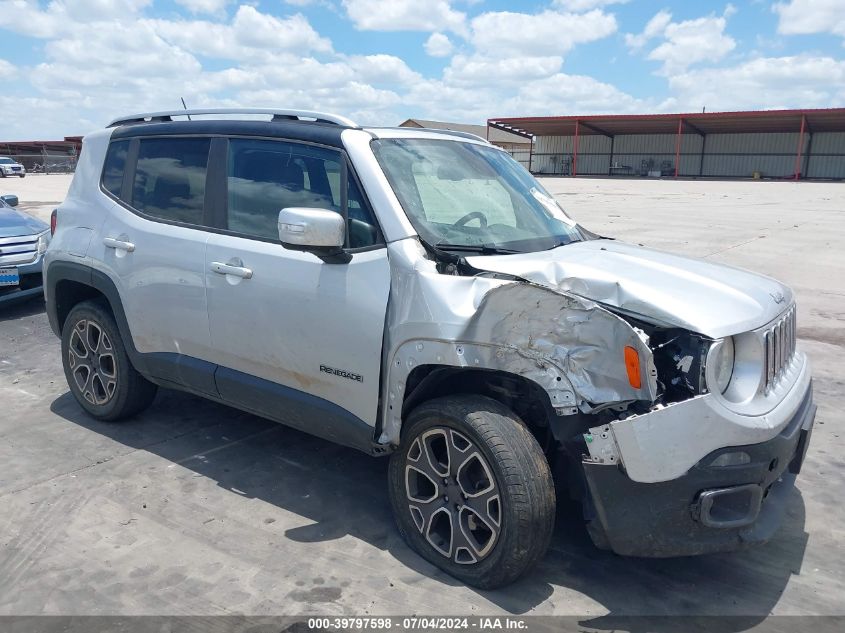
53, 220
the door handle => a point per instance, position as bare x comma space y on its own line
229, 269
121, 245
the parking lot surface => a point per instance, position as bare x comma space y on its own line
193, 508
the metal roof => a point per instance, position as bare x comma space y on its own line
815, 120
69, 144
492, 134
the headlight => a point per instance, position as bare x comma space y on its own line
736, 367
723, 363
43, 242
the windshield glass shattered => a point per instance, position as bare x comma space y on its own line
472, 198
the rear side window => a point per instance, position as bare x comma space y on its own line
170, 178
114, 166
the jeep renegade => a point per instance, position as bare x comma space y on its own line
418, 293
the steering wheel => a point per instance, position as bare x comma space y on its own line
475, 215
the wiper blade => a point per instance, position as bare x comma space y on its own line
484, 249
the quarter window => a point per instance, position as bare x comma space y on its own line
113, 167
170, 179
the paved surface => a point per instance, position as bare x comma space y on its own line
194, 508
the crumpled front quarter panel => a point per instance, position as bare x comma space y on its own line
570, 346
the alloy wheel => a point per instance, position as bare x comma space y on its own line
452, 495
92, 362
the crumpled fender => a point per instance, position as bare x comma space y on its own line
570, 346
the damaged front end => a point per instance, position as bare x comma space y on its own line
571, 347
626, 400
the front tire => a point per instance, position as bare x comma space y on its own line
471, 490
97, 367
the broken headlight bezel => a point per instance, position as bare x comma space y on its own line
722, 356
746, 371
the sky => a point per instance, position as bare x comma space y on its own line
67, 67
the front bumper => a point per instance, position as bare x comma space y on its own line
708, 509
31, 283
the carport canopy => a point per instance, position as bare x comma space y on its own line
814, 120
701, 123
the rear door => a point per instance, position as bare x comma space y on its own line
153, 247
296, 338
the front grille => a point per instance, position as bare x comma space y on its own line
780, 346
18, 250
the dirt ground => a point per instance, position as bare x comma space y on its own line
197, 509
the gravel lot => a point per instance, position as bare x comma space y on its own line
197, 509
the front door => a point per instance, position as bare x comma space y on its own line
296, 338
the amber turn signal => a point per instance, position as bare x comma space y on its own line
632, 366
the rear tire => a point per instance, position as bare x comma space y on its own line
97, 367
471, 490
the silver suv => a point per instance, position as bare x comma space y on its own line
417, 293
10, 167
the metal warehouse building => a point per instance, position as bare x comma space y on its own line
761, 144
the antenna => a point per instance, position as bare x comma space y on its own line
184, 106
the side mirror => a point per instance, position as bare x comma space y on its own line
318, 231
11, 200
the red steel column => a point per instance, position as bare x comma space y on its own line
800, 148
678, 146
575, 152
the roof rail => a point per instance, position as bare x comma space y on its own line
278, 115
470, 135
458, 133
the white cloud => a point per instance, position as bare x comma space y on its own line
7, 69
585, 5
109, 57
685, 43
250, 35
404, 15
60, 16
801, 17
767, 82
438, 45
204, 6
562, 93
477, 70
504, 33
382, 70
655, 26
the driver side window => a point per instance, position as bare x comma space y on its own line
265, 177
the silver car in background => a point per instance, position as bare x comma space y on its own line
23, 242
10, 167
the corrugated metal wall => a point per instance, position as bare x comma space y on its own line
724, 155
827, 155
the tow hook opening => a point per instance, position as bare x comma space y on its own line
728, 507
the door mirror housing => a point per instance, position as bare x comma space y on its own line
10, 199
318, 231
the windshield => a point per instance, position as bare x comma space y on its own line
6, 161
472, 197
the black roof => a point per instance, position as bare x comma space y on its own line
309, 131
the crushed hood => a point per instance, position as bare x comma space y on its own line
712, 299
